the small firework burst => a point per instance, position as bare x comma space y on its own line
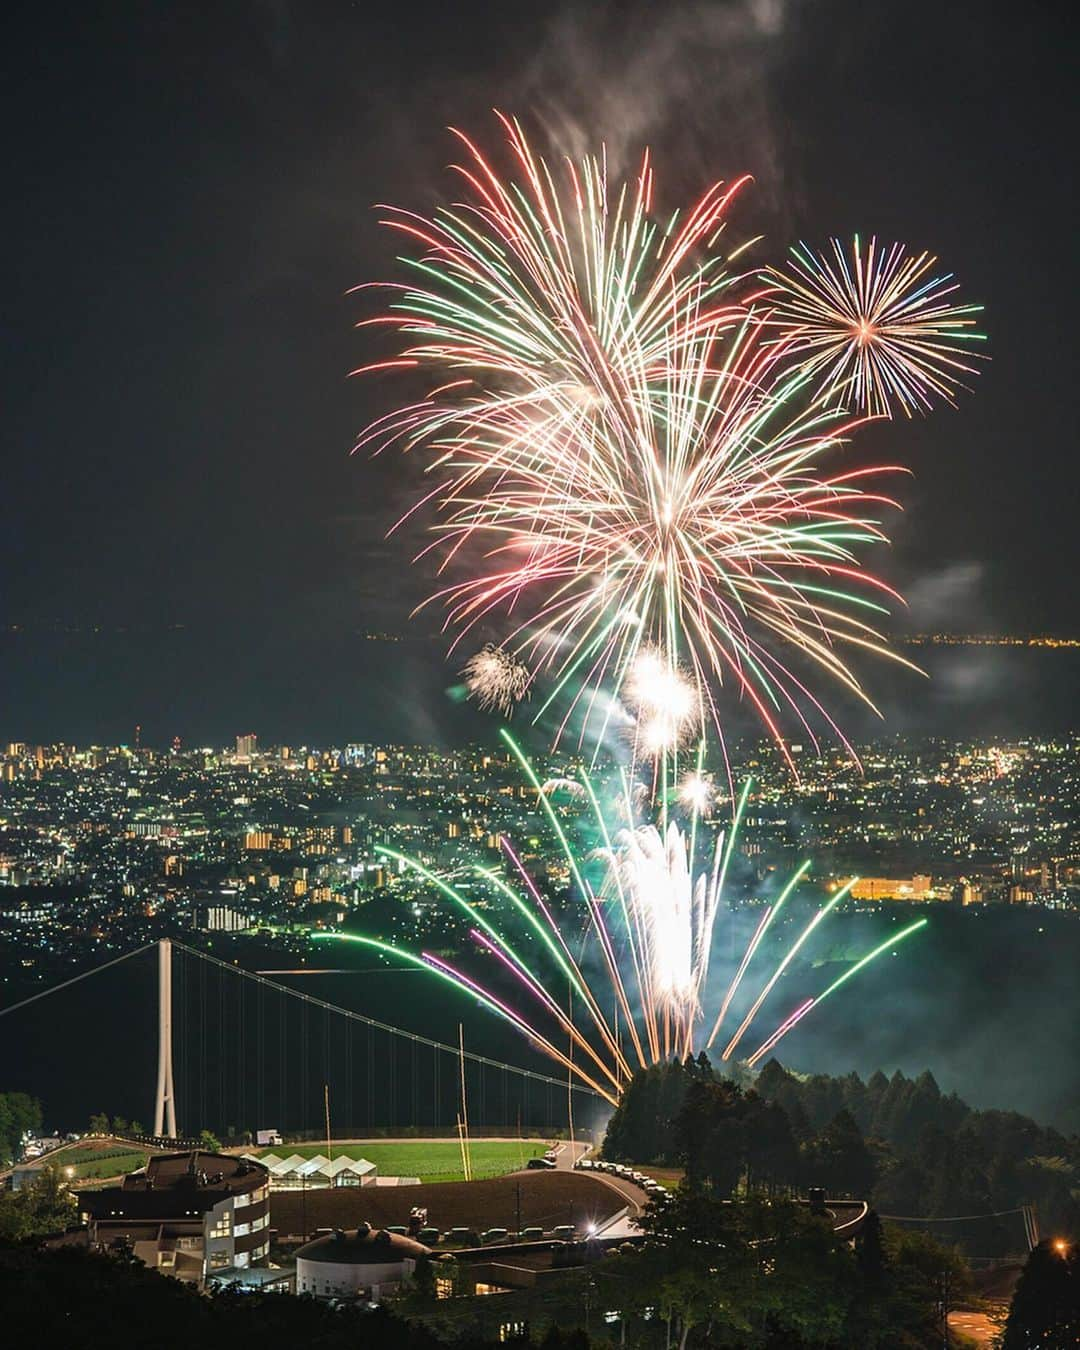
496, 679
878, 330
697, 794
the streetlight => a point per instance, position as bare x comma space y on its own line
1061, 1247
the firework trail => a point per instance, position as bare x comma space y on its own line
877, 330
651, 922
496, 679
800, 1012
625, 456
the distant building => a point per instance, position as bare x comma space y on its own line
918, 887
188, 1215
246, 745
220, 919
368, 1263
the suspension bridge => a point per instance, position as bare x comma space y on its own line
237, 1050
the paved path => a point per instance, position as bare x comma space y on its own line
976, 1326
635, 1200
566, 1155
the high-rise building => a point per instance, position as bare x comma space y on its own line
246, 745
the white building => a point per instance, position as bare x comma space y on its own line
368, 1263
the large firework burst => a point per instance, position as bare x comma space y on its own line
877, 330
625, 450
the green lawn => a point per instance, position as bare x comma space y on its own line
429, 1159
91, 1163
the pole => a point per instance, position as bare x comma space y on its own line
466, 1148
326, 1103
945, 1309
569, 1083
165, 1104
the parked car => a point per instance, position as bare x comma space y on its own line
427, 1236
495, 1235
544, 1164
532, 1234
566, 1232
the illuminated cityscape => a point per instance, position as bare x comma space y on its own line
106, 846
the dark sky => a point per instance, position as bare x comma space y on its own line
188, 199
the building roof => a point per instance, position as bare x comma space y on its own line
279, 1166
319, 1165
363, 1247
174, 1185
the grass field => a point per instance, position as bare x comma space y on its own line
92, 1162
429, 1159
110, 1167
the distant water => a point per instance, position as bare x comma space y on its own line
326, 688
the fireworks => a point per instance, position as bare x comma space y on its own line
625, 457
697, 795
667, 705
800, 1012
878, 330
649, 928
496, 679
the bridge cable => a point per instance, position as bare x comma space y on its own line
44, 993
373, 1023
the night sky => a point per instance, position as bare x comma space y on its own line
189, 195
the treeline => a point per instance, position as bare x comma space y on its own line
899, 1142
62, 1298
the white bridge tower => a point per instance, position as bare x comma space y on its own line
165, 1104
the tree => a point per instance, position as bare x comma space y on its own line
45, 1206
20, 1114
868, 1321
839, 1160
119, 1125
920, 1272
1045, 1308
99, 1124
641, 1130
769, 1148
209, 1142
744, 1273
